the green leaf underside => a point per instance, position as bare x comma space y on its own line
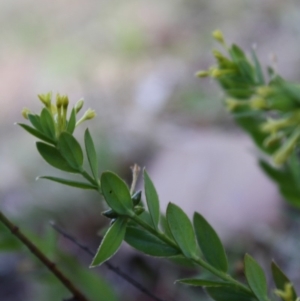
152, 200
36, 133
69, 182
91, 154
72, 122
147, 243
47, 123
204, 282
53, 157
256, 278
210, 243
280, 279
35, 121
111, 242
70, 150
116, 193
228, 293
182, 230
258, 70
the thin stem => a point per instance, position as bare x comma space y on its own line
39, 254
113, 268
158, 234
90, 179
197, 260
221, 275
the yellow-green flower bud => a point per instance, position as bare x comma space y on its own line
53, 109
89, 114
274, 125
282, 155
258, 103
65, 101
264, 91
202, 73
25, 113
79, 105
215, 72
46, 99
287, 293
232, 104
273, 139
59, 101
218, 36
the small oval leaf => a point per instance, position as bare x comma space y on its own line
182, 231
70, 150
111, 242
147, 243
72, 122
91, 154
36, 133
210, 243
152, 200
47, 123
53, 157
35, 121
256, 278
116, 193
69, 182
281, 280
232, 293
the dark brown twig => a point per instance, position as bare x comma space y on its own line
113, 268
78, 296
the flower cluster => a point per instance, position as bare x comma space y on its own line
274, 103
53, 119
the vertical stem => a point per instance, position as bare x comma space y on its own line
78, 296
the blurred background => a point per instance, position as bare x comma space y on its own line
134, 63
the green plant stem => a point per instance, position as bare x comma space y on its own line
78, 296
197, 260
90, 179
158, 234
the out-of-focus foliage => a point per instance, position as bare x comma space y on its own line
267, 109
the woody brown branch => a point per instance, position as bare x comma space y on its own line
78, 296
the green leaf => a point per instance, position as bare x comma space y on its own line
116, 193
35, 121
53, 157
69, 182
70, 150
111, 242
237, 53
229, 293
182, 231
258, 70
285, 179
47, 123
256, 278
148, 243
210, 243
36, 133
72, 122
152, 200
281, 279
165, 226
203, 282
91, 154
